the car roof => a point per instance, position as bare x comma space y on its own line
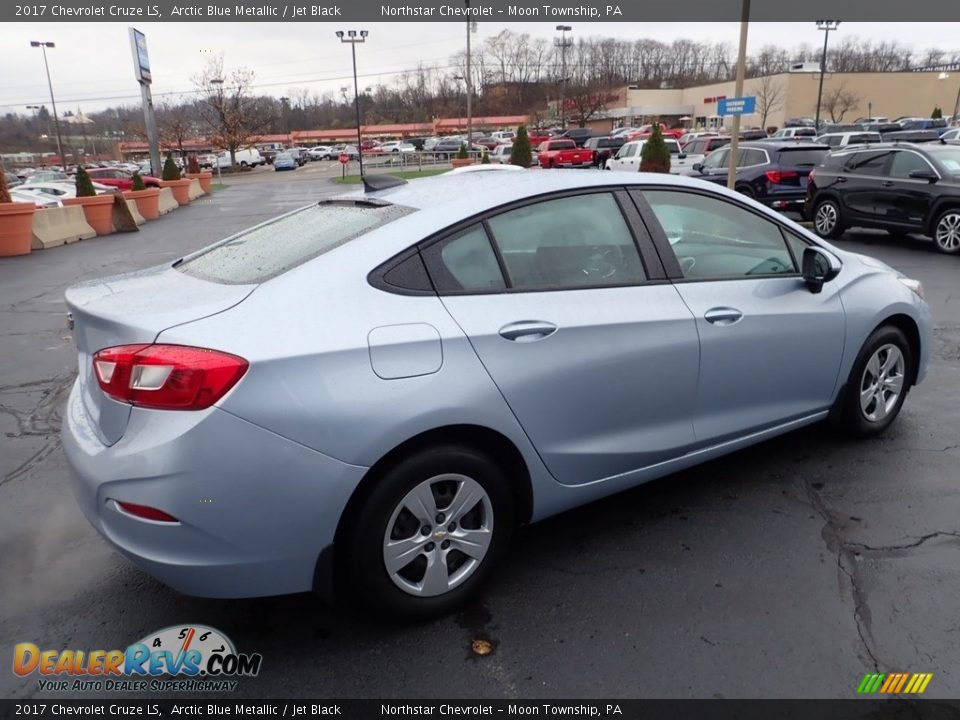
779, 144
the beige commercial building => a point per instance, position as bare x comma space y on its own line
793, 95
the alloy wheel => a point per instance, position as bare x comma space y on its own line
947, 234
438, 535
882, 383
826, 218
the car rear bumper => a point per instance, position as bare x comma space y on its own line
255, 510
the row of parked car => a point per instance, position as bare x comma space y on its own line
48, 188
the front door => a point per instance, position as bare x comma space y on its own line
770, 350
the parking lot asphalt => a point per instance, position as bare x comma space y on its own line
786, 570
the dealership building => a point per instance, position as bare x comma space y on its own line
789, 95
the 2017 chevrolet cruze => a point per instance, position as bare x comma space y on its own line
372, 392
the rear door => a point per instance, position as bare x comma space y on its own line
568, 310
901, 199
858, 183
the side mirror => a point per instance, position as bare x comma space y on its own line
698, 167
927, 175
682, 156
819, 267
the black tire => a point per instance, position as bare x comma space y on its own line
822, 226
849, 413
367, 578
944, 241
746, 191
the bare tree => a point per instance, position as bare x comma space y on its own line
176, 123
839, 101
769, 98
229, 107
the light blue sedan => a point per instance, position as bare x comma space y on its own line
284, 161
368, 395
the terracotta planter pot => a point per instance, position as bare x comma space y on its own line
205, 178
16, 223
181, 190
148, 201
462, 162
98, 211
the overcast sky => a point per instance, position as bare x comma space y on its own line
92, 67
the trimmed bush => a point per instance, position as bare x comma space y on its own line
170, 169
138, 183
84, 184
462, 153
4, 190
521, 152
655, 155
485, 158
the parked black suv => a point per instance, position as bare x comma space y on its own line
603, 148
901, 188
773, 172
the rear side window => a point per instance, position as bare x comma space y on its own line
809, 157
470, 261
867, 163
571, 242
271, 249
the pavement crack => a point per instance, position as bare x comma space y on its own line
846, 555
863, 548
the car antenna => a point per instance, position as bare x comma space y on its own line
372, 183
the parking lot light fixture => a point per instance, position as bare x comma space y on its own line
826, 26
353, 37
563, 43
56, 120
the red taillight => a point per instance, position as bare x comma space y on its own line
146, 512
778, 176
167, 377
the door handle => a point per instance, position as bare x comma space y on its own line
527, 330
841, 179
887, 183
722, 316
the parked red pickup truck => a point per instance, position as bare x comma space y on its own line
558, 153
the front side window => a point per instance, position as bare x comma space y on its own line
716, 239
570, 242
905, 162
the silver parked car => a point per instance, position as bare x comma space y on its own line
373, 392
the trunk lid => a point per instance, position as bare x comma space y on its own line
135, 308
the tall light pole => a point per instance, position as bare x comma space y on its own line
826, 26
562, 43
56, 120
353, 37
738, 91
471, 26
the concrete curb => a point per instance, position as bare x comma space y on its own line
58, 226
167, 202
135, 212
195, 190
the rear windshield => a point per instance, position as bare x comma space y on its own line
271, 249
803, 157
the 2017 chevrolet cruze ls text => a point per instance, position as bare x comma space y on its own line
371, 393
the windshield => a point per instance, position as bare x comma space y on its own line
949, 159
271, 249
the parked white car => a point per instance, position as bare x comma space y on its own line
35, 195
397, 146
61, 190
504, 136
628, 157
795, 132
321, 152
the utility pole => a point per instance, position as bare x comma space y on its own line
469, 85
826, 26
738, 92
56, 120
562, 43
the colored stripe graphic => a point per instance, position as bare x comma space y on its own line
894, 683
